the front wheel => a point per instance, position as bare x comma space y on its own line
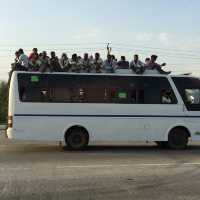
178, 139
77, 139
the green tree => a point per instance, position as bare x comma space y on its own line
3, 102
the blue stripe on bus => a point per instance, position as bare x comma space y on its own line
116, 116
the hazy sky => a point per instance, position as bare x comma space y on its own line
168, 28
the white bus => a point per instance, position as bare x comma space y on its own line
83, 108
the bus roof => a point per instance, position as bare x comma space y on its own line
107, 74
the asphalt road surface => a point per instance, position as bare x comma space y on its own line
138, 171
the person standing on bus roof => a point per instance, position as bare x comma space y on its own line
136, 65
54, 63
23, 59
155, 66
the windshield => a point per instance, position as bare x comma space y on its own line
189, 89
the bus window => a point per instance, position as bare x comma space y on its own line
32, 88
152, 90
189, 89
192, 96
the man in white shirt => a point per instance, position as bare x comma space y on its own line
86, 63
136, 65
166, 97
23, 59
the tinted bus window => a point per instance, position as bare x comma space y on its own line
122, 89
152, 90
189, 89
33, 88
62, 88
77, 88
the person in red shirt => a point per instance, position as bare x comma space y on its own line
34, 53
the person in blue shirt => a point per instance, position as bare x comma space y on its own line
108, 64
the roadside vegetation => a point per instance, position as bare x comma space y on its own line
3, 102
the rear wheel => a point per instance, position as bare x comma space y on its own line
178, 139
77, 139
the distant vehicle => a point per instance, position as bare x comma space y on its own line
83, 108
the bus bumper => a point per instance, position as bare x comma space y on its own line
9, 133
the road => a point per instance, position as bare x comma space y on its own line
138, 171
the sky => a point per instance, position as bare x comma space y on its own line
169, 29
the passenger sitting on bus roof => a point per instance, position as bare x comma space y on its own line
15, 66
147, 61
75, 64
98, 63
136, 65
54, 63
64, 63
23, 59
34, 63
166, 97
109, 64
33, 53
44, 62
154, 66
79, 59
123, 64
86, 63
16, 57
114, 61
91, 58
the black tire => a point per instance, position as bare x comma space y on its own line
178, 139
77, 139
162, 144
